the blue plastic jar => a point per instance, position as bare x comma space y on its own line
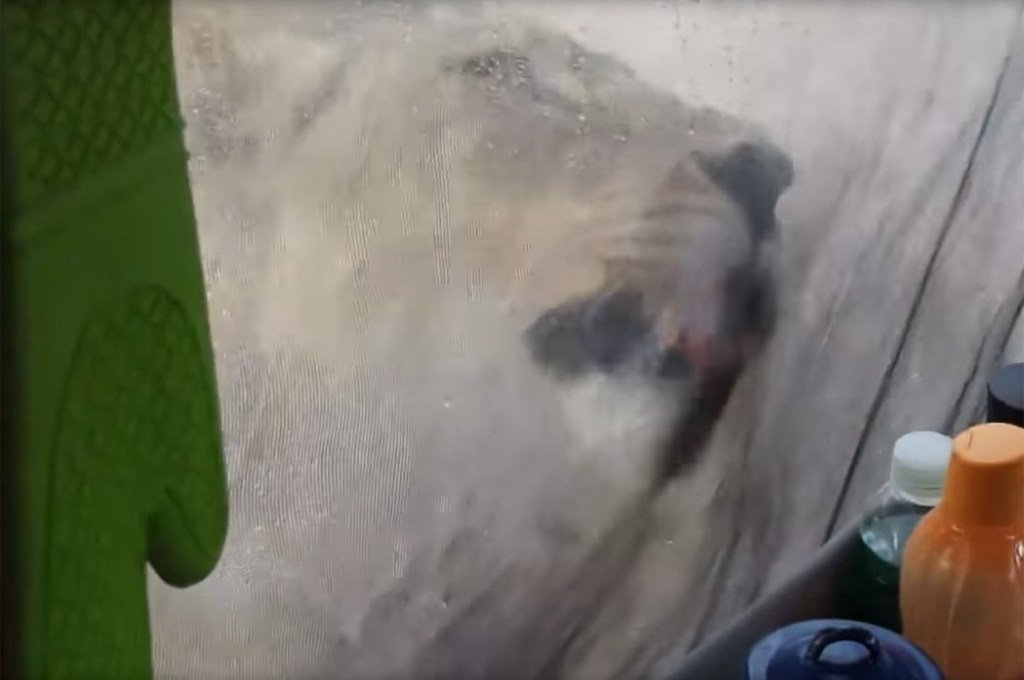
835, 649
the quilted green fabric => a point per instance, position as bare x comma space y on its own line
114, 457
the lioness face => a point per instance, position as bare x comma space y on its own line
475, 277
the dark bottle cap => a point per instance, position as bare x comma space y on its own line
1006, 396
835, 649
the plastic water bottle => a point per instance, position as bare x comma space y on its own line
916, 479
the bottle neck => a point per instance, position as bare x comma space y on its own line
891, 493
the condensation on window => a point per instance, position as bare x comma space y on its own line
471, 270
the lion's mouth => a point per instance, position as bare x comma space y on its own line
697, 348
704, 353
693, 333
611, 333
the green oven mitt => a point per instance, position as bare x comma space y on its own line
112, 440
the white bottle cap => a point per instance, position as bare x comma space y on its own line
919, 462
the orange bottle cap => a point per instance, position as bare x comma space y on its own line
985, 481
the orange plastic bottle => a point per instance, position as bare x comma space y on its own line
962, 582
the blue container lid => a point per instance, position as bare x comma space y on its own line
834, 649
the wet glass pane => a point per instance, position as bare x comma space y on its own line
549, 336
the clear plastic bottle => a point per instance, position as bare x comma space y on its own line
916, 478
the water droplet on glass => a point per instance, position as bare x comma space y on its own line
447, 402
